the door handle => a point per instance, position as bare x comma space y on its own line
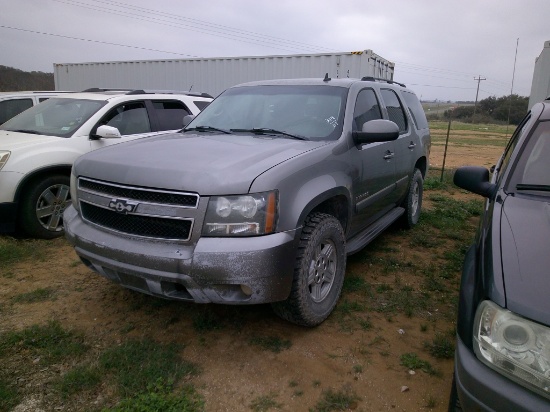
388, 155
412, 145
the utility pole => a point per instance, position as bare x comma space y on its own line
479, 79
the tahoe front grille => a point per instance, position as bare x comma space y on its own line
138, 193
145, 226
138, 211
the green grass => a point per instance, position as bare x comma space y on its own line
9, 396
412, 361
265, 403
136, 365
442, 346
46, 343
37, 295
498, 129
78, 379
206, 321
14, 250
159, 397
341, 400
271, 343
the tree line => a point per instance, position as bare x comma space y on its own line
15, 80
492, 110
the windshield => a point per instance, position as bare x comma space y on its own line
54, 117
532, 172
310, 112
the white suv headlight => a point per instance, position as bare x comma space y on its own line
245, 215
4, 156
513, 346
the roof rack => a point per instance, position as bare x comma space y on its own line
141, 91
373, 79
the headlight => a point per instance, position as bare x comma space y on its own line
4, 156
513, 346
73, 186
246, 215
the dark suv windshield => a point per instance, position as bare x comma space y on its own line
54, 117
311, 112
532, 172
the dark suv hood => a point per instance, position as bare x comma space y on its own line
525, 243
208, 164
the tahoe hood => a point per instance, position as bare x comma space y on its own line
208, 164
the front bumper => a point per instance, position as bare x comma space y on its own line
481, 388
217, 270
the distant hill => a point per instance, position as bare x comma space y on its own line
14, 80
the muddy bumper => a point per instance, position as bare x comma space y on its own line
217, 270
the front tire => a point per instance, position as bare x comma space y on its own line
318, 273
42, 207
413, 202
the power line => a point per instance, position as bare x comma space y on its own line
95, 41
242, 37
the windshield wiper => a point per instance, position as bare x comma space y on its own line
527, 186
265, 130
206, 129
24, 131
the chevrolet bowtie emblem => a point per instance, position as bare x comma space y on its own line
122, 205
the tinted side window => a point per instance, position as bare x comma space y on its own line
11, 108
131, 118
416, 110
396, 112
42, 99
366, 108
201, 104
170, 114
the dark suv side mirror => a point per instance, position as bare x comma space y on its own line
378, 130
475, 179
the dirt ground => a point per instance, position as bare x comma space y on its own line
233, 372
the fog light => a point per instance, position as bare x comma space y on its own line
246, 290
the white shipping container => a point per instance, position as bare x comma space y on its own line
214, 75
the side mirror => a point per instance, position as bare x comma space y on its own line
475, 179
187, 119
107, 132
378, 130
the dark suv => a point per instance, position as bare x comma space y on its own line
259, 198
502, 358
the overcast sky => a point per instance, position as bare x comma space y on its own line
438, 46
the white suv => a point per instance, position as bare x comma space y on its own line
39, 146
13, 103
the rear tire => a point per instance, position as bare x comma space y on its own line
42, 207
413, 202
318, 273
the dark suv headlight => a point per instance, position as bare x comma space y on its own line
244, 215
513, 346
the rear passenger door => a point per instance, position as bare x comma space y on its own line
407, 141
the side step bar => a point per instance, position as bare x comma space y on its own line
362, 239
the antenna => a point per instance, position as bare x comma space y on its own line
327, 79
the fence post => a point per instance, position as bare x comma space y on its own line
446, 144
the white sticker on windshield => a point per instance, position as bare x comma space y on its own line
65, 128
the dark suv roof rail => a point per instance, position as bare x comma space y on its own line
373, 79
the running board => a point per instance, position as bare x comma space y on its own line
363, 238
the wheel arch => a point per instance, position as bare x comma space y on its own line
38, 174
335, 201
422, 165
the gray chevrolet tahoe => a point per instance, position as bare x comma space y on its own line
259, 198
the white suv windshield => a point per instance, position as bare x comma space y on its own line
54, 117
